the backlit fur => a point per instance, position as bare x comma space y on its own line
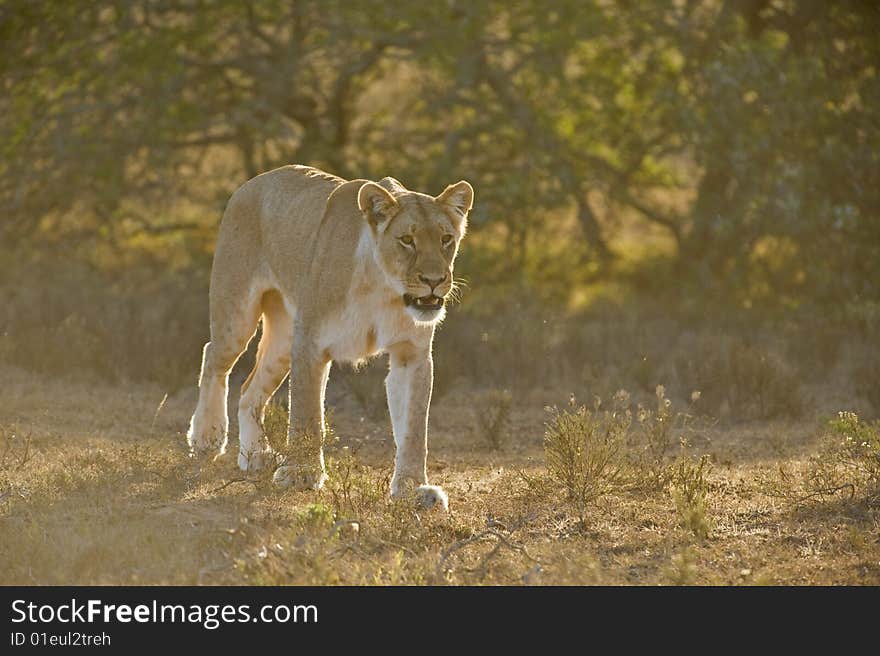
327, 264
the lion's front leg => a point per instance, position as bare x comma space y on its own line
304, 464
408, 386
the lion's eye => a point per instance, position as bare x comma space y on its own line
447, 240
406, 240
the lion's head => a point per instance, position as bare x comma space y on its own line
416, 238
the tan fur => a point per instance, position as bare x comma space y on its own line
326, 263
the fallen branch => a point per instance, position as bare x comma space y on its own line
490, 533
233, 481
827, 492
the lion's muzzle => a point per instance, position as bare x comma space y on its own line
427, 302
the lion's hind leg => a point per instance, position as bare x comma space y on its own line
230, 334
270, 370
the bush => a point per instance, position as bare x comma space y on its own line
354, 488
657, 430
275, 423
682, 569
492, 416
583, 452
689, 488
141, 325
848, 461
15, 449
740, 380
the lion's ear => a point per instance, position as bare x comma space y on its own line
377, 204
392, 184
459, 197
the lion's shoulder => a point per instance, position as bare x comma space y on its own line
295, 179
316, 174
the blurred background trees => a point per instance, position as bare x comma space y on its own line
691, 151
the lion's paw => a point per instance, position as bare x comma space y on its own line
299, 477
210, 441
429, 496
425, 496
256, 460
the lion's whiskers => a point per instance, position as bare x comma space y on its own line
456, 290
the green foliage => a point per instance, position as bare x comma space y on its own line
315, 515
583, 453
848, 462
682, 569
658, 430
689, 487
354, 488
744, 133
276, 418
15, 450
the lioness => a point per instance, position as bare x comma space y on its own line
338, 270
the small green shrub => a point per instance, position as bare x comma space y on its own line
15, 449
353, 487
275, 420
689, 487
492, 416
315, 515
275, 427
655, 428
848, 461
682, 569
583, 452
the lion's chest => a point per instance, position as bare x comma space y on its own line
364, 327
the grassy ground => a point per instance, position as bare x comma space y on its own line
96, 488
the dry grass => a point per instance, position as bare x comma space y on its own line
95, 487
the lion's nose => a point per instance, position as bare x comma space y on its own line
432, 282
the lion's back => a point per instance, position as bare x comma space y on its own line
269, 234
291, 193
281, 206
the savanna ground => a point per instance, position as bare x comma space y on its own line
755, 488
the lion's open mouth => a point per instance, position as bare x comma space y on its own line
429, 302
